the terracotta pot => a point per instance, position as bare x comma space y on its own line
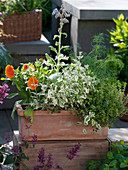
57, 126
125, 117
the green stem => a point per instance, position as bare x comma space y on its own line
59, 46
65, 163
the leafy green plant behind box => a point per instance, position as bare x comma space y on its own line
5, 58
103, 62
46, 14
119, 39
117, 159
105, 66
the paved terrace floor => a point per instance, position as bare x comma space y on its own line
7, 125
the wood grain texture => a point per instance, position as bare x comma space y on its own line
89, 150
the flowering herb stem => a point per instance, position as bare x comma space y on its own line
59, 46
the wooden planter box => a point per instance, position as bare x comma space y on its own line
22, 28
57, 126
89, 150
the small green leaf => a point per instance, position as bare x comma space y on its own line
53, 49
64, 33
110, 155
9, 160
122, 142
93, 122
3, 149
1, 157
113, 163
54, 77
79, 123
23, 95
26, 145
86, 120
29, 112
121, 17
85, 132
55, 36
65, 47
123, 165
10, 96
119, 157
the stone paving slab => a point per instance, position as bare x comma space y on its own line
117, 134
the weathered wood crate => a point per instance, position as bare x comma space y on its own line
89, 150
17, 27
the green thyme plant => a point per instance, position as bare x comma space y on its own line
119, 39
117, 159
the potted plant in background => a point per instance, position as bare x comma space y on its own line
120, 42
21, 19
50, 88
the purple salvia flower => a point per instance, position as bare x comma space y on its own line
49, 163
73, 152
1, 14
28, 119
16, 151
28, 126
34, 139
58, 167
41, 156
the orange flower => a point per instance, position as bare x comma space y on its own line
41, 59
33, 83
26, 66
9, 71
